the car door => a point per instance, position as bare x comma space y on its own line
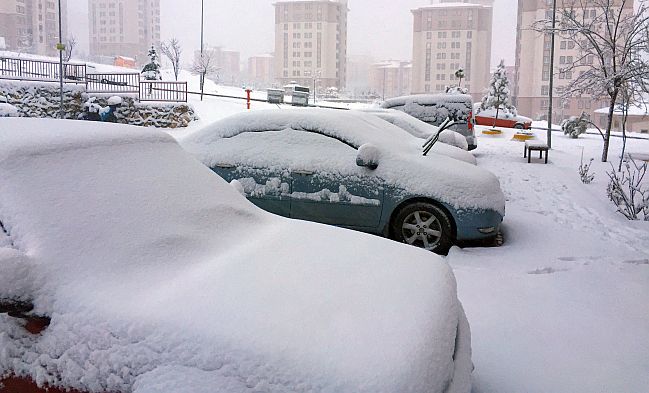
332, 189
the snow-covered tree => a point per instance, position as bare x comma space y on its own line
69, 48
172, 51
498, 95
151, 71
459, 74
612, 38
204, 65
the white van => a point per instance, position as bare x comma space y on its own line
435, 108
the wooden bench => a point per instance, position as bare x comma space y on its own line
535, 146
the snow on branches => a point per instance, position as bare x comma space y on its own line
629, 191
498, 95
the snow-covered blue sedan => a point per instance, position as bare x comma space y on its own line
354, 170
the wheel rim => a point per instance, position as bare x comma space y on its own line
422, 229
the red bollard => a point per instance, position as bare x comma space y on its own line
248, 91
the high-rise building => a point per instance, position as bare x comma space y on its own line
123, 28
32, 25
260, 70
448, 36
311, 42
390, 78
533, 66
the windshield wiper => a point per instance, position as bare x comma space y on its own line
430, 142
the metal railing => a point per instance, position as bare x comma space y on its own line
39, 70
113, 83
163, 91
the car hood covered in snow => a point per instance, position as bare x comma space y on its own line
159, 276
402, 165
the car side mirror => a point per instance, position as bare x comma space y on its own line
368, 156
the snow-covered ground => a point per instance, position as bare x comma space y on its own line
563, 305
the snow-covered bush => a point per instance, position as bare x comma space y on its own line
629, 191
575, 126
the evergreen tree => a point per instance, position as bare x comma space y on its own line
151, 71
498, 94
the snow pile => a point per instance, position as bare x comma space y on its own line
277, 138
8, 110
158, 275
453, 138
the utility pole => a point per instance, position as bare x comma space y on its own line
383, 83
551, 87
202, 79
61, 47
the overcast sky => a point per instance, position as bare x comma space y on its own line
380, 28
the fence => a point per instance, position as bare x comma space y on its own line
26, 69
113, 83
163, 91
116, 83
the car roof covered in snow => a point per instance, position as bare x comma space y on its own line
158, 273
426, 99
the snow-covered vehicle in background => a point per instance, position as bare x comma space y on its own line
150, 274
418, 128
353, 170
436, 108
505, 119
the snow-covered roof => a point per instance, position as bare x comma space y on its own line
634, 110
160, 277
453, 5
442, 178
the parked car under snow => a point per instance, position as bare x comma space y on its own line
156, 276
353, 170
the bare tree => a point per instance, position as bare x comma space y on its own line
172, 50
204, 65
69, 48
611, 38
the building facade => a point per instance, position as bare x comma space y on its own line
123, 28
260, 70
449, 36
32, 26
533, 67
311, 42
390, 78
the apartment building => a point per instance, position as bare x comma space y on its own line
32, 25
123, 28
390, 78
448, 36
533, 67
311, 42
260, 70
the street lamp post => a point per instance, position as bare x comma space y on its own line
202, 77
550, 92
61, 47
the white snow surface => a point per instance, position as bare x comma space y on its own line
8, 110
160, 276
402, 164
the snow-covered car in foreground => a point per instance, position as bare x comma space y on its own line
353, 170
156, 276
420, 129
504, 119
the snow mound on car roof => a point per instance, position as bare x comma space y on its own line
155, 269
427, 99
447, 180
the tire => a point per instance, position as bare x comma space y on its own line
519, 126
416, 218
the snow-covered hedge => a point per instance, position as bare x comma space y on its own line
42, 100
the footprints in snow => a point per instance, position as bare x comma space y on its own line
583, 261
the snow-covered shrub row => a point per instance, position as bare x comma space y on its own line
42, 100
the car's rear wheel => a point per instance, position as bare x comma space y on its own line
424, 225
519, 126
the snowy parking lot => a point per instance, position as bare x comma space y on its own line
563, 305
